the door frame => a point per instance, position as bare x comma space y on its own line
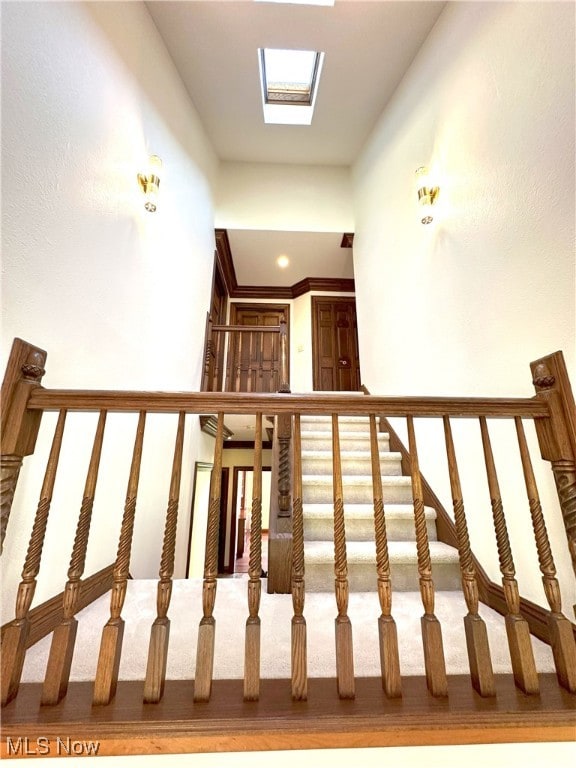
223, 564
199, 466
234, 520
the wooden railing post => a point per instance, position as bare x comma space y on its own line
19, 427
160, 631
557, 435
209, 357
434, 661
64, 636
280, 524
280, 537
14, 641
207, 628
108, 667
284, 378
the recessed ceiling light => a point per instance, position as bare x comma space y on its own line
283, 261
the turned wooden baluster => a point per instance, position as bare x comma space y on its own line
344, 649
475, 629
389, 660
299, 642
64, 637
284, 378
561, 635
207, 628
251, 370
106, 678
517, 629
160, 631
252, 646
239, 364
431, 630
284, 428
16, 633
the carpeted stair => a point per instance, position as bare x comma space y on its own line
359, 511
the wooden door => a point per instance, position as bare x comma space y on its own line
254, 358
336, 365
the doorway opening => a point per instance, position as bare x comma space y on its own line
242, 482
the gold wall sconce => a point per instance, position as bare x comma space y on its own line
150, 182
427, 195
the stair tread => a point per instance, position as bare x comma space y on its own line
319, 433
403, 480
317, 552
326, 453
311, 510
344, 419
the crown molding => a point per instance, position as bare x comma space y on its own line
235, 291
347, 240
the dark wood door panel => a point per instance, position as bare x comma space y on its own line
336, 364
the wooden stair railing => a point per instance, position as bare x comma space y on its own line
550, 420
225, 341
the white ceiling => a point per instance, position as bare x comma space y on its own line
311, 254
368, 47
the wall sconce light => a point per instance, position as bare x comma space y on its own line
426, 195
150, 182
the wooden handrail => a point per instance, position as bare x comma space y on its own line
246, 328
121, 401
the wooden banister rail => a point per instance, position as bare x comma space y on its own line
125, 401
547, 409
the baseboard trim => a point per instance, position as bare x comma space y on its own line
44, 618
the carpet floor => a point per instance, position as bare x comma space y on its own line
276, 612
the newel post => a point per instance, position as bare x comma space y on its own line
19, 427
280, 526
208, 367
557, 435
284, 377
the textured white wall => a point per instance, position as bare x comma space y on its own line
462, 306
114, 294
284, 197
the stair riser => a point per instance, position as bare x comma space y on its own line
350, 466
317, 443
363, 530
363, 577
325, 425
356, 494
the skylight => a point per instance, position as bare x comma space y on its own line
299, 2
289, 81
